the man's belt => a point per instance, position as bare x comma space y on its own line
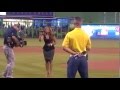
84, 53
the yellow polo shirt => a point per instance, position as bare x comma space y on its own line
77, 40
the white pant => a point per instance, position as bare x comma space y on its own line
9, 53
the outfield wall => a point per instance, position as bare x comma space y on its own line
95, 31
102, 31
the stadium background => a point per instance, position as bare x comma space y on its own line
103, 27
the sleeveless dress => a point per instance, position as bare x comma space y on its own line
48, 51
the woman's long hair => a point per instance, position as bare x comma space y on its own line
51, 34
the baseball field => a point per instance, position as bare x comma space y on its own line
103, 60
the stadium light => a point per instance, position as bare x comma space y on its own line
2, 13
104, 17
115, 17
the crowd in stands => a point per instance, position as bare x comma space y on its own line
33, 32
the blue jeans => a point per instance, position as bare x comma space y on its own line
79, 64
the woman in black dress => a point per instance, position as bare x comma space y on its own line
48, 48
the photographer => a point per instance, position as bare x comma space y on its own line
10, 41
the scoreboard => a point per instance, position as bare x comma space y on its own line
34, 14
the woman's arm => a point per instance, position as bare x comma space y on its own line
54, 40
40, 37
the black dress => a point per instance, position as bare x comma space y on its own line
48, 51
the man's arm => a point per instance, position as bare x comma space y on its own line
14, 37
68, 50
88, 47
66, 45
15, 40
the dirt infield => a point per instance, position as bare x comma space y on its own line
59, 50
109, 65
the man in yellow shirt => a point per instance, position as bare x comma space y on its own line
77, 43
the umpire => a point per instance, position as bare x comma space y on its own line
77, 43
10, 41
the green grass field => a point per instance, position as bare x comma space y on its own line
31, 65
